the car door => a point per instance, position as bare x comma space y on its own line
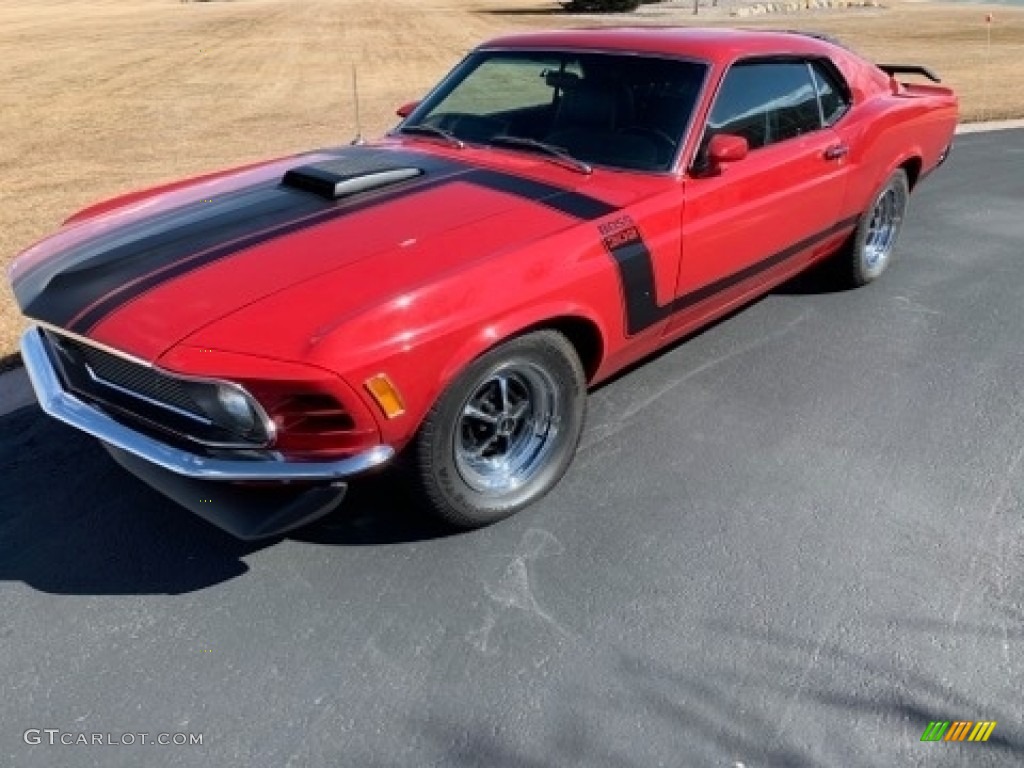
748, 222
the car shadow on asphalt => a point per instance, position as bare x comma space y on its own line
819, 280
380, 509
822, 278
73, 522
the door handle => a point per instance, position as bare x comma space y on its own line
837, 152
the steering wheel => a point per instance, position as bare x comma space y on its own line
652, 133
664, 145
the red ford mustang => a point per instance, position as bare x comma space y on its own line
559, 207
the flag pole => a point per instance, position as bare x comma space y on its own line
988, 66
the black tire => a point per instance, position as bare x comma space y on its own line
539, 369
870, 249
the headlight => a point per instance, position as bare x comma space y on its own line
237, 408
230, 408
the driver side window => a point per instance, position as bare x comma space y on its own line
765, 103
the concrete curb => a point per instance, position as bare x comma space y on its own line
991, 125
16, 390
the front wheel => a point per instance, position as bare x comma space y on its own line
871, 246
504, 432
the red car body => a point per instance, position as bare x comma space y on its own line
302, 302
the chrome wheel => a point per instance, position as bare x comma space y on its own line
507, 428
884, 227
872, 246
504, 431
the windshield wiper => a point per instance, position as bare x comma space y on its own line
558, 153
423, 129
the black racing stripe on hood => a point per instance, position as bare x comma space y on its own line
173, 218
34, 280
114, 272
198, 257
83, 286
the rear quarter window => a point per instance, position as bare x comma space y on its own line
832, 91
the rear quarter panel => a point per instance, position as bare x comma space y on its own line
889, 125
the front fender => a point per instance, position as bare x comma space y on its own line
422, 366
423, 373
515, 324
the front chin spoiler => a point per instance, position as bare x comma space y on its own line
247, 513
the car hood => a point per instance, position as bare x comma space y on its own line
143, 275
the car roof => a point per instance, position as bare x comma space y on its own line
709, 43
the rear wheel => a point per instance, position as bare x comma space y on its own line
871, 247
505, 431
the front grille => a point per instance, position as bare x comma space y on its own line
135, 378
147, 398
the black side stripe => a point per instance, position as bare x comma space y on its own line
636, 271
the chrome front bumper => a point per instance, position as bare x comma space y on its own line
189, 478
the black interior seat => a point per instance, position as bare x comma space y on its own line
586, 106
586, 124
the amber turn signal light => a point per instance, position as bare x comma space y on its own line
386, 395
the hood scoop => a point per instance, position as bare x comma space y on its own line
338, 179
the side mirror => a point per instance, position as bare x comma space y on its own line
726, 148
406, 109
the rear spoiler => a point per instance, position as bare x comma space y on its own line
909, 69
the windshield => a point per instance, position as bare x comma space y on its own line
618, 110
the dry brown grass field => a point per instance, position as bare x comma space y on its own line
102, 96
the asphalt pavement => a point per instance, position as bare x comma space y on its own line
793, 540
